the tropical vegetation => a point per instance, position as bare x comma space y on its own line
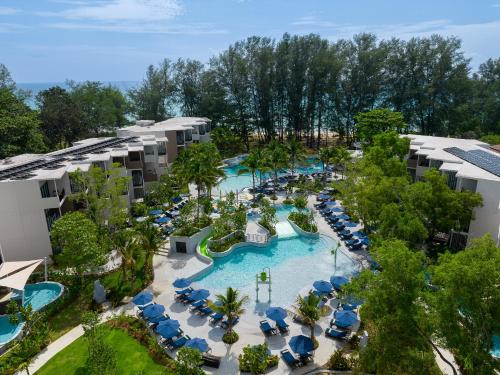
230, 305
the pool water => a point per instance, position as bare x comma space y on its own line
295, 263
495, 350
235, 182
38, 295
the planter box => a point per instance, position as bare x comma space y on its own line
184, 244
303, 232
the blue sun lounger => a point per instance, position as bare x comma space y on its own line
266, 328
214, 318
225, 323
179, 343
282, 325
335, 333
205, 310
290, 359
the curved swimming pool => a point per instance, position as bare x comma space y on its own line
38, 295
295, 263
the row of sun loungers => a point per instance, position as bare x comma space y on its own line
294, 361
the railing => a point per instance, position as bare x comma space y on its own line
254, 237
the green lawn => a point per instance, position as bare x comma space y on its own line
132, 358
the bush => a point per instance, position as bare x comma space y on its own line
256, 359
269, 227
221, 247
354, 342
303, 221
339, 361
230, 337
273, 197
288, 201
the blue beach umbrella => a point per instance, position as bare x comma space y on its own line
276, 313
338, 281
198, 294
344, 217
176, 199
142, 298
153, 310
155, 212
182, 283
337, 209
323, 286
168, 328
197, 343
359, 234
162, 220
365, 241
345, 318
301, 344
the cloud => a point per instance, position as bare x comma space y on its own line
6, 11
12, 28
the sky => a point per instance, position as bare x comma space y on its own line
115, 40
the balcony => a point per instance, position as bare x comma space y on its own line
411, 163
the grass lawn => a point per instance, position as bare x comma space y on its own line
131, 357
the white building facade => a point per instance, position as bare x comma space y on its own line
469, 165
34, 189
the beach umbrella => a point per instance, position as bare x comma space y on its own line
344, 217
153, 310
140, 219
350, 224
338, 281
198, 294
162, 220
157, 319
345, 318
182, 283
276, 313
301, 344
197, 343
351, 303
323, 286
337, 209
365, 241
168, 328
176, 199
142, 298
155, 212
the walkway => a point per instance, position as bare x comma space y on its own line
255, 233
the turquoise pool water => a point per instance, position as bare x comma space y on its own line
495, 350
295, 263
38, 295
235, 182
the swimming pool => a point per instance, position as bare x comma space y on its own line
38, 295
295, 263
235, 182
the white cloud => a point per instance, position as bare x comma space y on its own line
6, 11
12, 28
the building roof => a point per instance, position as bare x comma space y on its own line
176, 123
442, 148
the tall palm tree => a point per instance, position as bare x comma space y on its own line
231, 305
277, 157
307, 309
149, 239
251, 164
296, 152
126, 242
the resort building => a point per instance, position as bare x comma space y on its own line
34, 189
469, 165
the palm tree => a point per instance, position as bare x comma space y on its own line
342, 157
125, 242
251, 164
296, 152
149, 238
307, 309
231, 305
277, 157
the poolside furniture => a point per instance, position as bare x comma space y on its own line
211, 361
355, 246
282, 326
183, 291
197, 343
214, 318
290, 359
338, 227
198, 294
224, 324
336, 333
305, 359
179, 343
168, 328
182, 282
204, 310
323, 286
338, 281
142, 307
266, 328
153, 310
142, 299
345, 234
198, 305
351, 242
344, 318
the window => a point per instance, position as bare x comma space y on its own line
137, 178
51, 215
75, 187
202, 129
207, 126
162, 149
452, 180
118, 160
195, 130
134, 156
100, 164
436, 164
423, 161
188, 135
149, 150
138, 193
44, 189
179, 137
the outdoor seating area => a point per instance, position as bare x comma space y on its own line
350, 232
165, 217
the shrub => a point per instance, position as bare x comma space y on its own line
230, 337
256, 359
288, 201
303, 221
354, 342
273, 197
221, 247
339, 361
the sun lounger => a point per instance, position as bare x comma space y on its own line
211, 361
214, 318
199, 303
335, 333
290, 359
205, 310
183, 292
356, 246
179, 343
305, 359
266, 328
225, 323
282, 326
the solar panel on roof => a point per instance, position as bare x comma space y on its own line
479, 158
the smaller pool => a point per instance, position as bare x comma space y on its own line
495, 350
38, 295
